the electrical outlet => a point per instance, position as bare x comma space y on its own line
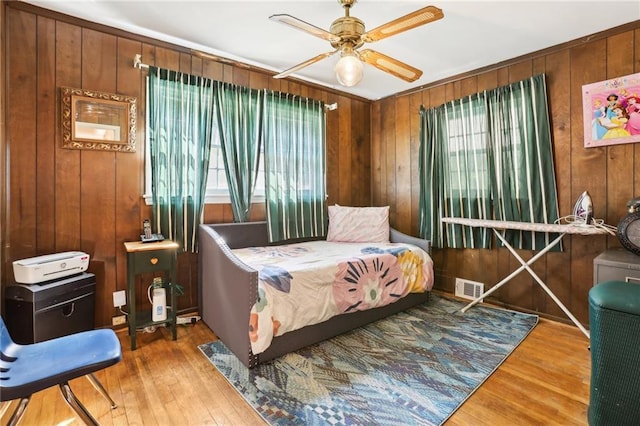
119, 320
119, 298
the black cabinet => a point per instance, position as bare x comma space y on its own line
43, 311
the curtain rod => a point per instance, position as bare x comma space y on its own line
137, 63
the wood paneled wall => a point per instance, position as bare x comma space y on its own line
610, 174
64, 199
61, 199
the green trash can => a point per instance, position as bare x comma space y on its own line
614, 320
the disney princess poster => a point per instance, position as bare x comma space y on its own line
612, 111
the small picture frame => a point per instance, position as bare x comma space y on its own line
98, 120
611, 111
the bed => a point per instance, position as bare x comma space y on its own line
229, 289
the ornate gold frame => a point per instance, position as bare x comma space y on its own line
98, 120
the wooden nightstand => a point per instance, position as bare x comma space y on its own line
151, 257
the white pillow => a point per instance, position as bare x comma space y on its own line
358, 224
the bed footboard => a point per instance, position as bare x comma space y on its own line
228, 289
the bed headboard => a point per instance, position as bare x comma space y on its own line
396, 236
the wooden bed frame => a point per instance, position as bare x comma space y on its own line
228, 289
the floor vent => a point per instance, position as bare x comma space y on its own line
469, 289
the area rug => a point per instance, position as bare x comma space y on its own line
413, 368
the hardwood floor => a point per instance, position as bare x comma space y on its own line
545, 381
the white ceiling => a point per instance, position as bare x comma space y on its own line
473, 33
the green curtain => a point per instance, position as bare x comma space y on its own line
240, 117
181, 114
488, 156
295, 166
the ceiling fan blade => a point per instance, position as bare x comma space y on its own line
304, 26
404, 23
304, 64
390, 65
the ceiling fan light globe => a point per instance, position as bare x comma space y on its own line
349, 70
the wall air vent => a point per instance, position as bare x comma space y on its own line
468, 289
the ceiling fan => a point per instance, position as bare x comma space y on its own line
347, 34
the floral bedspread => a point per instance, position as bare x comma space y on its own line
307, 283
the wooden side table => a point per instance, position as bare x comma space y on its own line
151, 257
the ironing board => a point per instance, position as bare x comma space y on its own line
500, 225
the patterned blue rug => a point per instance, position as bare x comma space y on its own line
414, 368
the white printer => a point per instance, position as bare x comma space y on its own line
50, 267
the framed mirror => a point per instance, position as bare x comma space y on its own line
97, 120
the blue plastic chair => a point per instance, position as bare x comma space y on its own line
27, 369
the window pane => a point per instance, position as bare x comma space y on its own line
468, 168
217, 180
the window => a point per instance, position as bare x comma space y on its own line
217, 188
488, 156
205, 144
467, 150
296, 166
